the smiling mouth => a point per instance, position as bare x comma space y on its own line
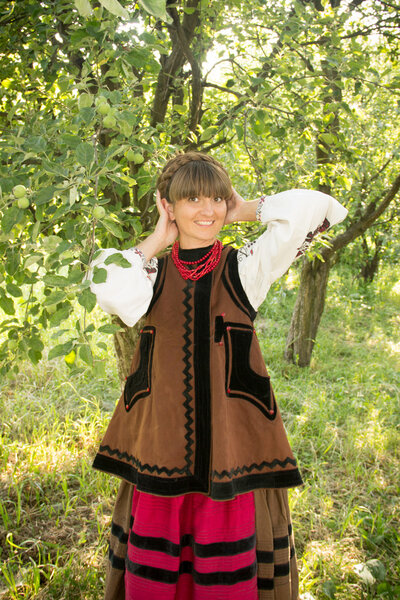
204, 223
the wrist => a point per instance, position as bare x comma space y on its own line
152, 245
248, 211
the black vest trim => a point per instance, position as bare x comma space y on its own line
159, 282
187, 376
279, 479
149, 483
237, 293
247, 469
202, 375
233, 270
132, 459
184, 485
138, 384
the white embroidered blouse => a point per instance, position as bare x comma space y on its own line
293, 218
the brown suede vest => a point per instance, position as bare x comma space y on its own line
198, 413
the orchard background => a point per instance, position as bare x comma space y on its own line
95, 96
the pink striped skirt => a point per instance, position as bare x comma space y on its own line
191, 547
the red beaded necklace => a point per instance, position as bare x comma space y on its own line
206, 264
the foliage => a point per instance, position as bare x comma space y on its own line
96, 95
342, 416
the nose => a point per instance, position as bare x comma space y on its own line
207, 206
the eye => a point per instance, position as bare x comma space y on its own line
218, 199
193, 199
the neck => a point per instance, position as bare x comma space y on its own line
192, 244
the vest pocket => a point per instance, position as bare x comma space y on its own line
138, 384
241, 381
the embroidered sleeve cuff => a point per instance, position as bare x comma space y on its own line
259, 208
147, 266
140, 255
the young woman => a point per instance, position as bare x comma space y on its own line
197, 437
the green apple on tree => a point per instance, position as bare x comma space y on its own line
138, 158
23, 202
12, 344
103, 108
109, 121
99, 212
19, 191
130, 155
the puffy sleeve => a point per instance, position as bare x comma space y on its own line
294, 218
127, 291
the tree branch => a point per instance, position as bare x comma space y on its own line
174, 62
196, 72
370, 215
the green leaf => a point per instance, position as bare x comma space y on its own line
84, 154
117, 259
157, 8
75, 275
61, 350
11, 217
7, 305
113, 228
35, 143
328, 138
54, 298
35, 343
60, 315
84, 8
34, 356
208, 133
85, 354
55, 280
87, 299
87, 115
45, 195
13, 290
35, 231
71, 140
99, 275
12, 260
109, 328
32, 259
239, 131
115, 8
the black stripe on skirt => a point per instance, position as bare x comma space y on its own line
215, 578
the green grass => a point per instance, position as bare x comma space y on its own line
342, 415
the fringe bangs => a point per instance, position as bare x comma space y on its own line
198, 178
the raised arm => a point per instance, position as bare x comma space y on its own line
127, 291
293, 217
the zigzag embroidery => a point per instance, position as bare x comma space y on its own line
136, 462
187, 376
247, 469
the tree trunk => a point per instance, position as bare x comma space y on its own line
371, 263
125, 343
307, 311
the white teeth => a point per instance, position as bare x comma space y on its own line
204, 222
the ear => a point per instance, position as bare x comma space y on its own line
169, 208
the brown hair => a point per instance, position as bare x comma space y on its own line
193, 174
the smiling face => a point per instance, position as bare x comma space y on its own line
199, 219
196, 188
